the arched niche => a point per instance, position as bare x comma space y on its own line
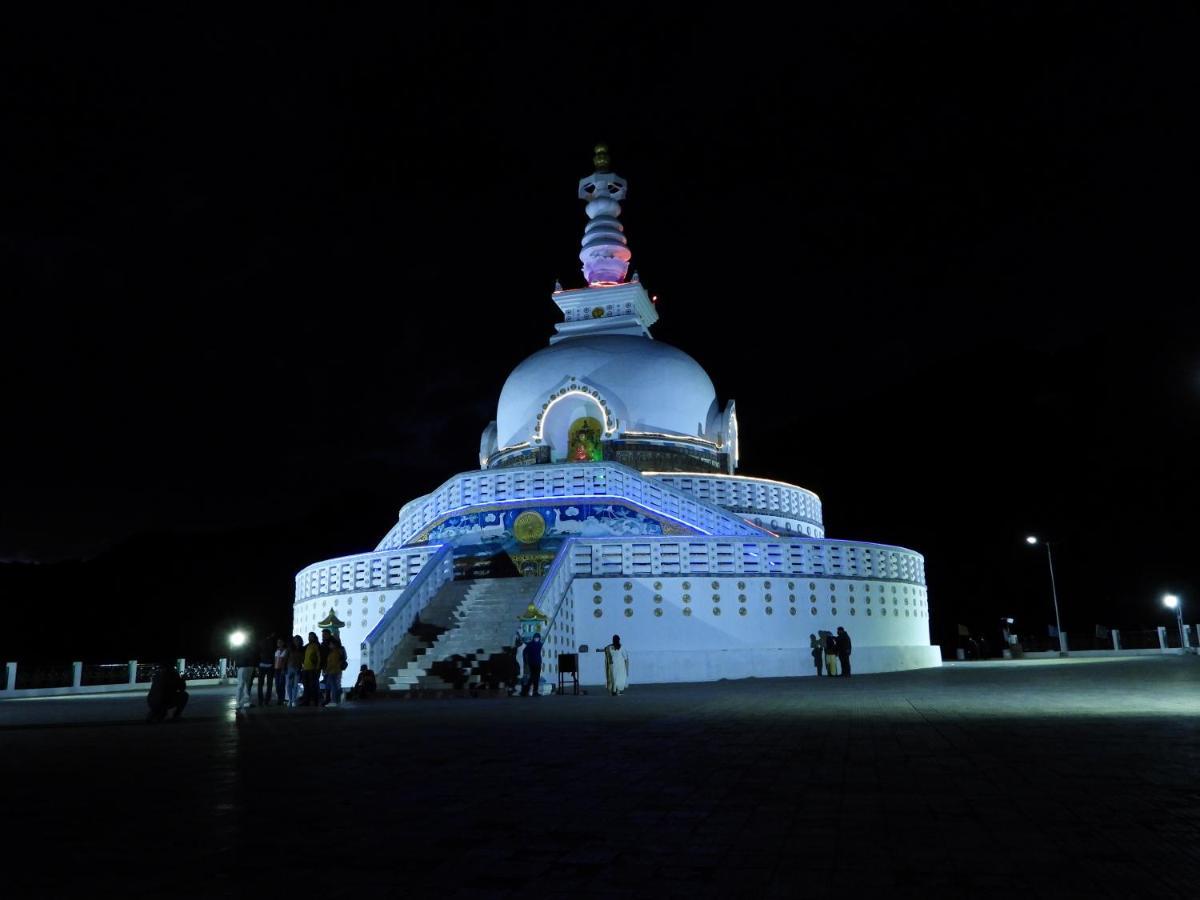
573, 427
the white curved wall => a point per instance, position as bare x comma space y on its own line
675, 630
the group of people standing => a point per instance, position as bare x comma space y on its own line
832, 651
292, 670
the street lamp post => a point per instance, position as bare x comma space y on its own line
1170, 601
1062, 644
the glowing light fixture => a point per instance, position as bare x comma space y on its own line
1062, 641
1171, 601
237, 639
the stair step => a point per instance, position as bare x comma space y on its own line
480, 619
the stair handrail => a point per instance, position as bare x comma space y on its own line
556, 584
379, 645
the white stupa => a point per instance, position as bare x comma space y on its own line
609, 497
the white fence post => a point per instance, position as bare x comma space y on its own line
1116, 636
181, 665
12, 678
1162, 637
132, 672
222, 667
76, 674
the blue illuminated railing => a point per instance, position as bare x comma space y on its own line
561, 483
379, 645
556, 584
773, 504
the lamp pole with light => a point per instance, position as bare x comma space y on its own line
1170, 601
1062, 644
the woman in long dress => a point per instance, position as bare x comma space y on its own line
616, 666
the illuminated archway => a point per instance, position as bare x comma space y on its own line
572, 426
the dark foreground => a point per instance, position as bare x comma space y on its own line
1025, 779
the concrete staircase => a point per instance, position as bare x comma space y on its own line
478, 618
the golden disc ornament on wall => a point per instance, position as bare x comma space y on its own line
529, 527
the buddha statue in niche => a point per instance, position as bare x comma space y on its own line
584, 444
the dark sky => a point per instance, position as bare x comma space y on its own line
265, 275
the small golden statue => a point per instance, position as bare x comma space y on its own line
532, 612
601, 159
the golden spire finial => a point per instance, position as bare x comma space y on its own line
600, 159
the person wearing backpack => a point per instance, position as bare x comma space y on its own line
831, 654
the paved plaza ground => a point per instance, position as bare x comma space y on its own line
1042, 779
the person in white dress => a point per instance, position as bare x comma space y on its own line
616, 666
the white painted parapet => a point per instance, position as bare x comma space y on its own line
496, 488
361, 572
771, 504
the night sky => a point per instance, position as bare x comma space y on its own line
265, 275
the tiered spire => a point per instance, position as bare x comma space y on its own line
605, 254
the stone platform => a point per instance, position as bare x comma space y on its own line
1066, 778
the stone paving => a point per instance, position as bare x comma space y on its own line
1043, 779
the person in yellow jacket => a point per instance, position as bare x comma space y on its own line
334, 663
310, 671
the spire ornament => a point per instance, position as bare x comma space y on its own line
605, 253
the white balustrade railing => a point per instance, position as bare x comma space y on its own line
362, 572
378, 646
568, 481
759, 497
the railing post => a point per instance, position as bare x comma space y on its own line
132, 672
1162, 638
181, 666
1116, 638
222, 668
76, 674
11, 685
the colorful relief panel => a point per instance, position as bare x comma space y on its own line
530, 524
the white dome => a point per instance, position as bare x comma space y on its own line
648, 386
